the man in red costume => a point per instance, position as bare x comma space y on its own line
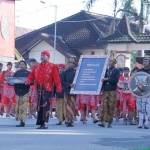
46, 76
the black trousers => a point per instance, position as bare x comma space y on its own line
43, 106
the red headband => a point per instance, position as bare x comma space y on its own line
45, 52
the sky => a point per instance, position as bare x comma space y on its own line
33, 14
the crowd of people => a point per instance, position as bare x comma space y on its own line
48, 84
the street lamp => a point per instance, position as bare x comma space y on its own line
55, 26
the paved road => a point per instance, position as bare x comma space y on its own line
80, 137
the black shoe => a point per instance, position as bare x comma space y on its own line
59, 123
66, 122
140, 127
146, 127
101, 125
132, 123
44, 127
81, 119
22, 124
109, 125
95, 121
69, 125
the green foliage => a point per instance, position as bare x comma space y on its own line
133, 58
89, 4
128, 6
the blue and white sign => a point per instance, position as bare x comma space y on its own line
89, 74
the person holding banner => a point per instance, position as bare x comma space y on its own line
60, 102
109, 94
21, 90
67, 81
46, 76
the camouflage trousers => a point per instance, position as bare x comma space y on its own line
60, 109
21, 107
108, 106
70, 107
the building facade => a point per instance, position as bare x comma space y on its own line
7, 31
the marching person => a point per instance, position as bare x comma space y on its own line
33, 91
1, 89
46, 76
8, 95
143, 104
127, 100
21, 90
109, 94
60, 102
87, 103
67, 81
119, 109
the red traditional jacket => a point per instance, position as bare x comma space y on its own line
46, 75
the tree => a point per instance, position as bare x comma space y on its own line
115, 7
147, 11
89, 4
128, 9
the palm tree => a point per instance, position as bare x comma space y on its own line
129, 10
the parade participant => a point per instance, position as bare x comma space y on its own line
86, 104
33, 91
1, 89
109, 94
21, 90
118, 112
143, 104
8, 96
60, 102
127, 100
46, 76
67, 81
52, 103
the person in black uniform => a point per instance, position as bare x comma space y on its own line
67, 83
109, 94
21, 90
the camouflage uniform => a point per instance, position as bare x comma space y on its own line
21, 107
108, 106
109, 95
67, 80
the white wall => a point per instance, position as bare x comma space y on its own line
4, 60
56, 57
128, 46
127, 62
100, 52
